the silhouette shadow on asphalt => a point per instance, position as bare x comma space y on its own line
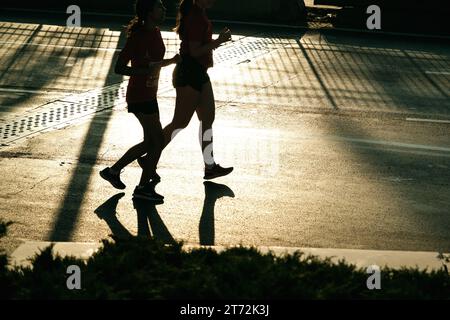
107, 211
148, 215
150, 223
213, 192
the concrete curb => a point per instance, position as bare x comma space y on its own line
361, 258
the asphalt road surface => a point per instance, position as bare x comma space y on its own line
338, 140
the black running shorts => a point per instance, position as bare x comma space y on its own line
147, 107
189, 73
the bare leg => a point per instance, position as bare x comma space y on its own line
206, 112
187, 100
153, 142
132, 154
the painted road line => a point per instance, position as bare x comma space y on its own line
391, 143
428, 120
409, 151
438, 72
32, 91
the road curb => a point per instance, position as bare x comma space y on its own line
361, 258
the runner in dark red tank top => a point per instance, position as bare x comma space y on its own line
191, 80
198, 28
145, 50
145, 46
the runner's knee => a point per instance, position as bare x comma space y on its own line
180, 124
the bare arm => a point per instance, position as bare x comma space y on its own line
198, 50
125, 70
122, 69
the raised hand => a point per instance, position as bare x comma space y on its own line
176, 58
224, 36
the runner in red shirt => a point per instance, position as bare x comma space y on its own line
191, 80
145, 49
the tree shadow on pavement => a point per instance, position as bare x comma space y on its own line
420, 193
69, 211
379, 73
38, 64
401, 169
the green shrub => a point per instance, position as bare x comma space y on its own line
139, 268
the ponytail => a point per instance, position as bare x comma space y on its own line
183, 10
134, 25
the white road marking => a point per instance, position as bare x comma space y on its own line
410, 151
392, 144
31, 91
427, 120
438, 72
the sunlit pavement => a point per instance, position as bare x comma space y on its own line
338, 141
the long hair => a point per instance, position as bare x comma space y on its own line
183, 10
141, 8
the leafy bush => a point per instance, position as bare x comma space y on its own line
139, 268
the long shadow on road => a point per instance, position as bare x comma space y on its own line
150, 223
422, 199
147, 215
213, 192
68, 212
38, 64
412, 182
